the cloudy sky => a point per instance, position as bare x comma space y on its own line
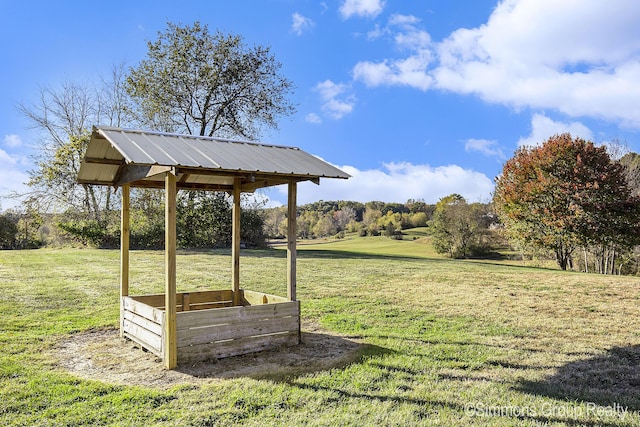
416, 100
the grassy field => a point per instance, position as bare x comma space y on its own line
444, 342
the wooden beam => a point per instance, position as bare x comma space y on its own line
291, 241
170, 348
131, 173
100, 161
235, 239
124, 253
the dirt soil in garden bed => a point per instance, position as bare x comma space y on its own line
102, 355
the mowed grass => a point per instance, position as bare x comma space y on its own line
447, 342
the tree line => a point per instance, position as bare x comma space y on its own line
335, 218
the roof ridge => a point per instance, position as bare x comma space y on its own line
184, 135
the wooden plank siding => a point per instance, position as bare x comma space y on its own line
232, 331
202, 332
143, 324
197, 300
237, 347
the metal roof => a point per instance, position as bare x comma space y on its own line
140, 158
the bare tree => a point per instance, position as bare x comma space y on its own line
63, 118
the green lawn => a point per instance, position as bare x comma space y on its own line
444, 342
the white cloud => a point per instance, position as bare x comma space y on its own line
365, 8
577, 57
404, 20
542, 128
12, 178
484, 146
398, 182
411, 71
313, 118
336, 99
377, 32
301, 24
12, 141
406, 72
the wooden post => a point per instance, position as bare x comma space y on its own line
235, 238
124, 253
291, 241
170, 350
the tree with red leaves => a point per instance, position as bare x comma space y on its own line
564, 194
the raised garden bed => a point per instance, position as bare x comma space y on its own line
209, 326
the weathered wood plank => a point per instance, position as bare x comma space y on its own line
132, 173
257, 298
144, 345
208, 305
194, 319
156, 301
148, 339
236, 347
211, 296
143, 310
144, 322
186, 301
237, 330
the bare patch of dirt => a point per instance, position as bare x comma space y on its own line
103, 356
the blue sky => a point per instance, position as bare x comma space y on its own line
415, 99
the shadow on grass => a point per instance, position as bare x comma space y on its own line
610, 379
310, 254
302, 253
425, 408
317, 352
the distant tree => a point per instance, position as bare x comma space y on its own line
357, 207
29, 225
458, 228
631, 164
274, 219
564, 194
8, 231
370, 219
343, 217
305, 223
394, 208
325, 226
419, 219
196, 82
391, 223
204, 219
416, 206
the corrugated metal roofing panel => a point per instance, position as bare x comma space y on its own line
211, 155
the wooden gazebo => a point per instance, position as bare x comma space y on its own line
209, 324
